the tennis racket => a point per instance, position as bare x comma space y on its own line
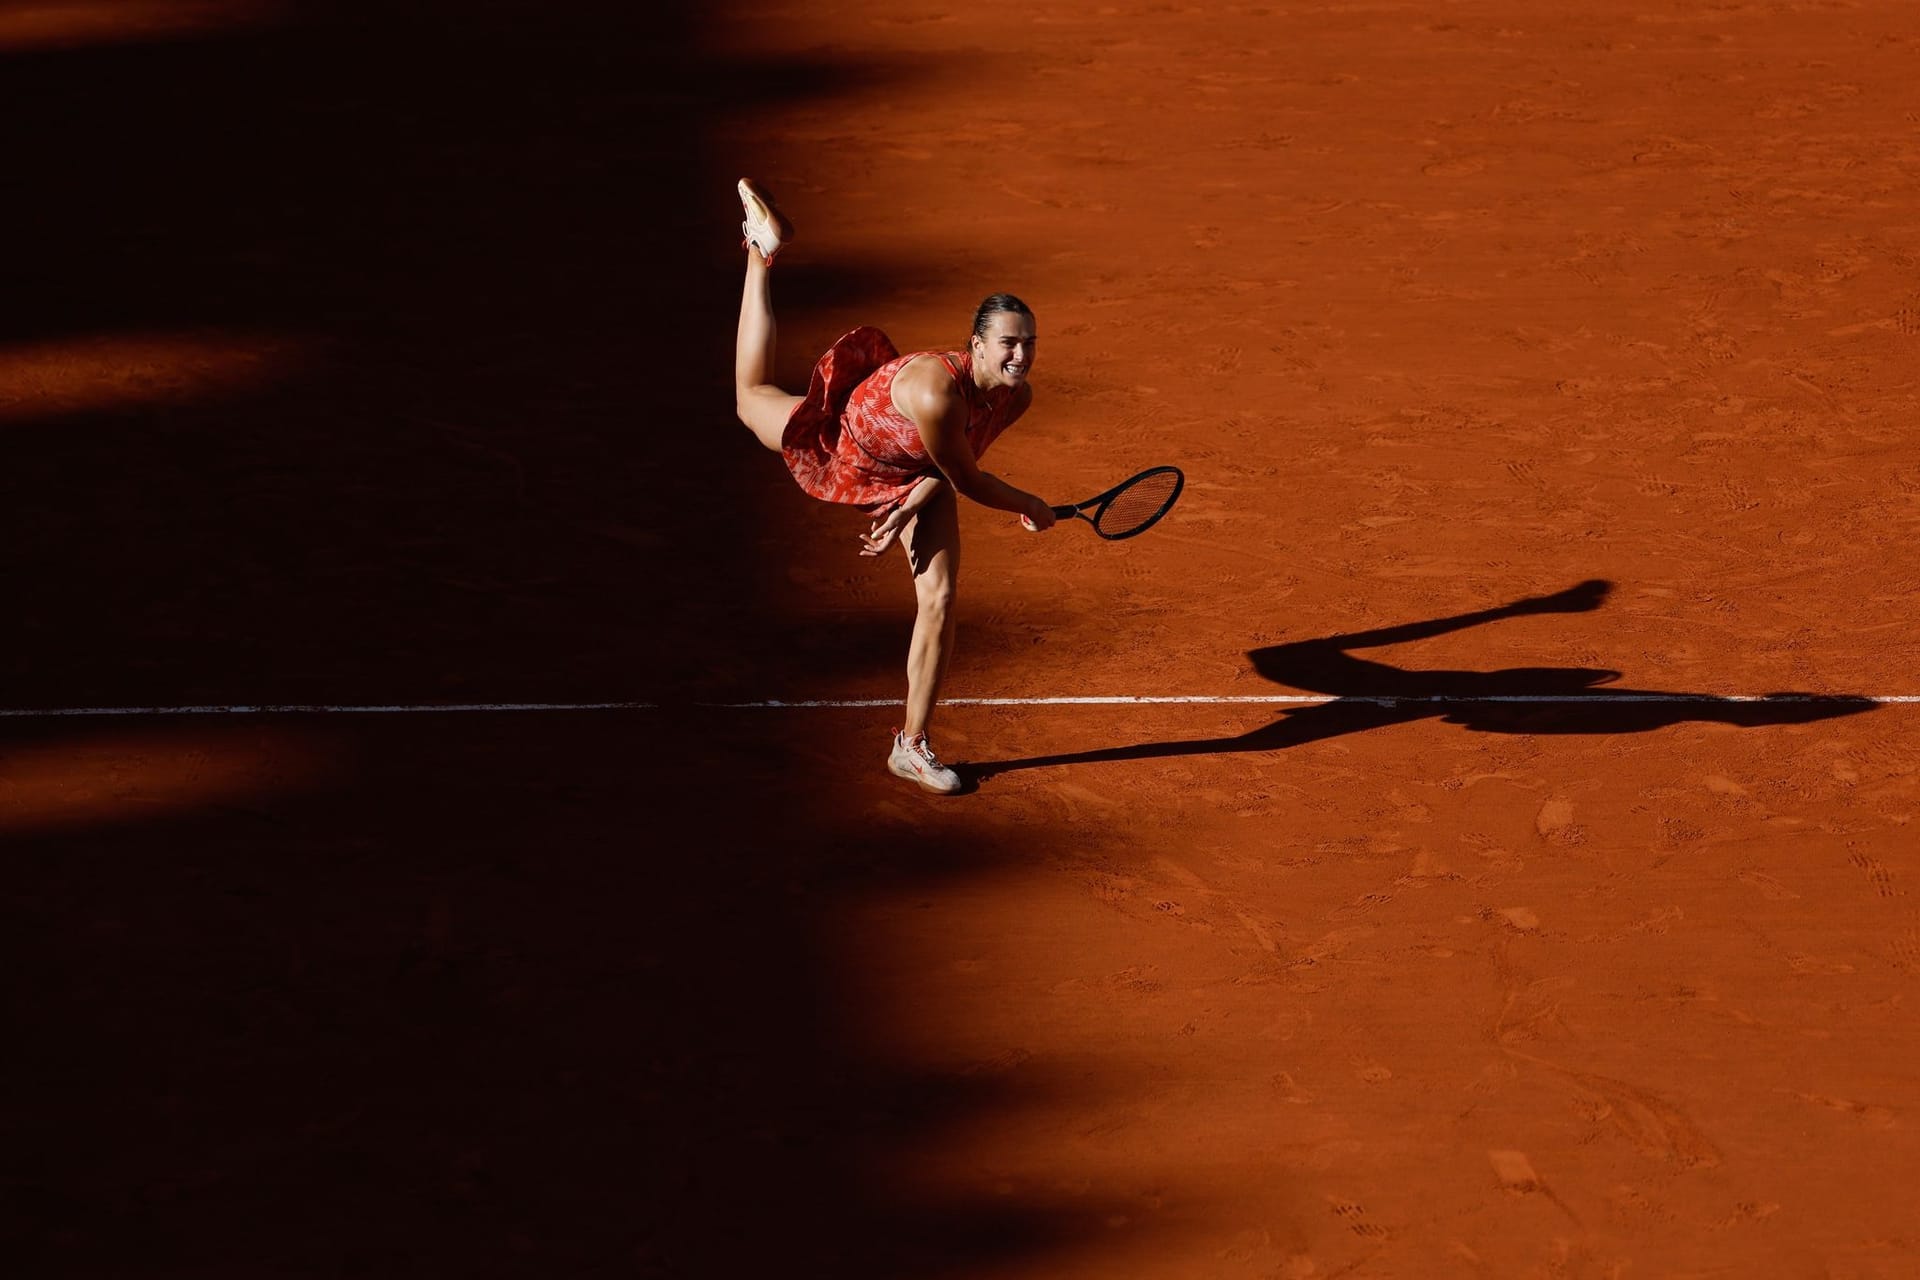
1130, 507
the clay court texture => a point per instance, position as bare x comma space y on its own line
1545, 380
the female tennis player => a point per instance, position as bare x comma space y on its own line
897, 436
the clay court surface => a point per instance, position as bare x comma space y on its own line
1514, 352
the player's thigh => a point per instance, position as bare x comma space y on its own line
765, 410
933, 547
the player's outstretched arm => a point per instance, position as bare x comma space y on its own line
941, 415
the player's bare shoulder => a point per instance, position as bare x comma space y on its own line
924, 391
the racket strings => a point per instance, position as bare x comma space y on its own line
1138, 505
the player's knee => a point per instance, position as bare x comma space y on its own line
935, 594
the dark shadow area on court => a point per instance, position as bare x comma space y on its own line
475, 281
1373, 695
469, 996
428, 997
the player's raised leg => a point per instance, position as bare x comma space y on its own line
764, 407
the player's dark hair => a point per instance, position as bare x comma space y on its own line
993, 306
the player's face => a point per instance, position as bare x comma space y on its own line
1006, 352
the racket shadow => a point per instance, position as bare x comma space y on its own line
1372, 695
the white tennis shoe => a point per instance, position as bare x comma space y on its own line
913, 759
764, 228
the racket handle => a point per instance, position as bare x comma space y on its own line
1065, 513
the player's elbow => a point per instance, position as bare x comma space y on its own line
968, 484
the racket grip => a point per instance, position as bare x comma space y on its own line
1065, 513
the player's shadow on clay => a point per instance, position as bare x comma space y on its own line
1372, 695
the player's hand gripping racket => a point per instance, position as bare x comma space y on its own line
1132, 506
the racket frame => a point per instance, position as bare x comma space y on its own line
1098, 503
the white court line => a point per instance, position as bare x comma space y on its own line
1275, 700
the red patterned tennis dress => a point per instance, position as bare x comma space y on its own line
845, 442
